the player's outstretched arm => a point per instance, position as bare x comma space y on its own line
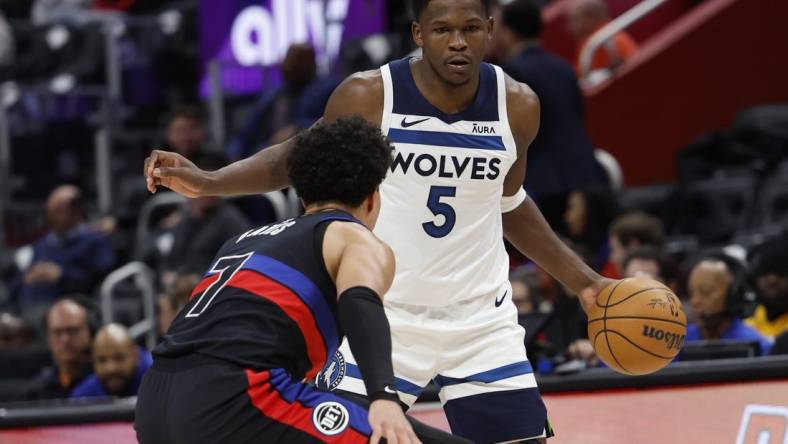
524, 226
363, 269
360, 94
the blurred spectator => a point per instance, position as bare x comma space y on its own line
206, 223
562, 133
186, 134
526, 295
586, 17
273, 117
198, 229
14, 332
72, 258
627, 233
173, 300
568, 331
119, 365
588, 215
582, 350
716, 289
770, 272
649, 262
69, 328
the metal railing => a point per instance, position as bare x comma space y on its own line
158, 200
610, 30
5, 165
216, 104
143, 280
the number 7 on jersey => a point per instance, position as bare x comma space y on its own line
226, 266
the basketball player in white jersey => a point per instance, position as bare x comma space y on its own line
461, 129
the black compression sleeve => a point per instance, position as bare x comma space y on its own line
367, 329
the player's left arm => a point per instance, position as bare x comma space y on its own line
364, 272
523, 225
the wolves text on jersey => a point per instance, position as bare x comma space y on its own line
453, 167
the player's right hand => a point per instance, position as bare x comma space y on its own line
388, 422
175, 172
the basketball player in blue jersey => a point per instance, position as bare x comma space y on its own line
461, 129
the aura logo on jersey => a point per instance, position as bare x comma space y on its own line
482, 129
452, 167
330, 418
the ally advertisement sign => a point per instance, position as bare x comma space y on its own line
249, 38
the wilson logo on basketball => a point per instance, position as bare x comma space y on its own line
672, 340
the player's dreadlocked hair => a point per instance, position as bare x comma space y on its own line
343, 162
418, 6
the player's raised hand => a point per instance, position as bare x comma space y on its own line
388, 422
175, 172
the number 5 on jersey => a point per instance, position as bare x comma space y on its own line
440, 208
226, 266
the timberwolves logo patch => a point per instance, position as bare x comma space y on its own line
330, 418
332, 373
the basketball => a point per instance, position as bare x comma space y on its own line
637, 326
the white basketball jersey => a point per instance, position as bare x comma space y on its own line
441, 200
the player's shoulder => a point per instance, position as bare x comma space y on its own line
359, 236
359, 94
519, 94
362, 83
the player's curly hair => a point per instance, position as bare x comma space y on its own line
418, 6
343, 162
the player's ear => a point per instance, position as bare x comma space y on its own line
369, 203
415, 29
490, 27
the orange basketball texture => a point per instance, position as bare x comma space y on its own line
637, 326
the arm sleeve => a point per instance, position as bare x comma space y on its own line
367, 329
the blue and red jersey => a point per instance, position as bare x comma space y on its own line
266, 302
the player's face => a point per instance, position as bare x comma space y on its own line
453, 35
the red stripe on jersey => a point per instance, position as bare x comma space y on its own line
295, 309
204, 284
266, 399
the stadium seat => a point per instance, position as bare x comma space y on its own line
23, 362
715, 209
773, 206
653, 199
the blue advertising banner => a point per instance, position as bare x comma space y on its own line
249, 38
